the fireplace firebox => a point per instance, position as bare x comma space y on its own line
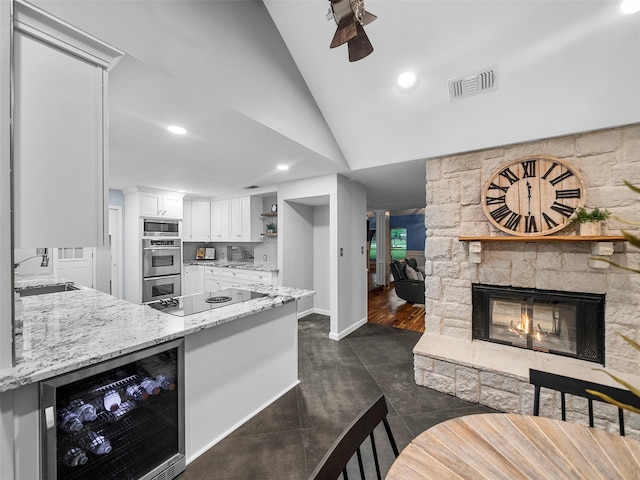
562, 323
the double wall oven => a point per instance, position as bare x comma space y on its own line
161, 264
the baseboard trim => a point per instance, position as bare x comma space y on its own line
305, 313
321, 311
347, 331
240, 423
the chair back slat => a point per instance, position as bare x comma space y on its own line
578, 387
349, 441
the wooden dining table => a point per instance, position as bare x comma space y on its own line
510, 446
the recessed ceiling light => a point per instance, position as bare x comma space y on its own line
282, 167
176, 129
630, 6
407, 80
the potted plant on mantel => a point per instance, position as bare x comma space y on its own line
590, 222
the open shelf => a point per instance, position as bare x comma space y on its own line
270, 214
269, 234
543, 238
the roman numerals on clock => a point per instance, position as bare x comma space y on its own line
533, 195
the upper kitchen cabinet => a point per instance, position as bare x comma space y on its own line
220, 221
201, 218
187, 221
166, 205
246, 225
236, 219
150, 203
60, 133
196, 221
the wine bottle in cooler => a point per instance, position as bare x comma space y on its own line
74, 456
166, 383
151, 386
68, 421
112, 400
85, 411
136, 392
96, 443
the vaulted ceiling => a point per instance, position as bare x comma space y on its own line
256, 85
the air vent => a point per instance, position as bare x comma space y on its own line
473, 84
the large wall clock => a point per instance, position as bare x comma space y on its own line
533, 195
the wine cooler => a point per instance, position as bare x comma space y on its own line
121, 419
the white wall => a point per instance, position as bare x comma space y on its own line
297, 241
6, 247
321, 240
347, 279
352, 261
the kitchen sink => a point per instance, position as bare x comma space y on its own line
28, 291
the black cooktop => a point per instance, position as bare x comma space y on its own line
201, 302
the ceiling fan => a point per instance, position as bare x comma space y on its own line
351, 17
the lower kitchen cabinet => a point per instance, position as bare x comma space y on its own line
194, 279
220, 278
211, 279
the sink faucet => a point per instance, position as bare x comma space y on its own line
44, 263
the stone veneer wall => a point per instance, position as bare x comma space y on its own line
446, 358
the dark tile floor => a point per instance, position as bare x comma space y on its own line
337, 380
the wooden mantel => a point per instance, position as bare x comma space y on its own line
543, 238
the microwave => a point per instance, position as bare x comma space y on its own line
152, 227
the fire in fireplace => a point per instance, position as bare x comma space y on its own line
563, 323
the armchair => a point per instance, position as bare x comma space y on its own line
409, 290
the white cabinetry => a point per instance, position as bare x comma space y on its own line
211, 279
201, 218
235, 277
236, 219
187, 221
60, 133
227, 277
196, 221
220, 221
193, 279
166, 205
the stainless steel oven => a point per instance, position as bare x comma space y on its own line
161, 257
152, 227
158, 288
161, 266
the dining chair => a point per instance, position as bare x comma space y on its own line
574, 386
349, 442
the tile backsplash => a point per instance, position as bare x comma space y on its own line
235, 251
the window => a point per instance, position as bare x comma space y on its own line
71, 253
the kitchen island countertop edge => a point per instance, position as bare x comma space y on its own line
66, 331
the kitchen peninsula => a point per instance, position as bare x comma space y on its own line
238, 358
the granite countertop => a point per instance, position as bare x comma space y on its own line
241, 264
69, 330
33, 280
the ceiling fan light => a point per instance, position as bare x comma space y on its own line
407, 80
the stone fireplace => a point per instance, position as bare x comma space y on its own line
451, 358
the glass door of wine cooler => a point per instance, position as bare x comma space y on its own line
121, 419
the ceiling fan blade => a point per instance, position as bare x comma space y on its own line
345, 32
359, 46
368, 18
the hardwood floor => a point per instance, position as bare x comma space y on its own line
386, 308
